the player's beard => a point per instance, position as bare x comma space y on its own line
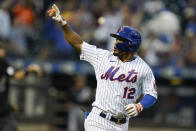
115, 54
121, 55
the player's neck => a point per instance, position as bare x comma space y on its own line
126, 57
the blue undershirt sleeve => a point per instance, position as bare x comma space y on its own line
147, 101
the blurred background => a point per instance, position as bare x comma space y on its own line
56, 100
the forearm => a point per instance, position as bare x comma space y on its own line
72, 37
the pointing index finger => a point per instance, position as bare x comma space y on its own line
56, 8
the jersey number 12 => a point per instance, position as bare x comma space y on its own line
129, 93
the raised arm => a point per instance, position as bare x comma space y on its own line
72, 37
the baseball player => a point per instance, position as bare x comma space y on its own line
122, 77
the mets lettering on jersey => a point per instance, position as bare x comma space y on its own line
131, 77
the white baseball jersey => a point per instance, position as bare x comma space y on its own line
118, 83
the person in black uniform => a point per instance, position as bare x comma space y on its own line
81, 96
7, 119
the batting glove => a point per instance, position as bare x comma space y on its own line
133, 109
57, 17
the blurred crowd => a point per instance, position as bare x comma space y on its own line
168, 28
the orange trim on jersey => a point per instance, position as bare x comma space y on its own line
154, 85
134, 79
131, 93
110, 72
125, 92
114, 74
104, 75
121, 79
130, 75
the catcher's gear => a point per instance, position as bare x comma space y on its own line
133, 109
130, 37
57, 17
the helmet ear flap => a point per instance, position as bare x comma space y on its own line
133, 45
130, 44
133, 42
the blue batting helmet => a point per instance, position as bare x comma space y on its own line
131, 39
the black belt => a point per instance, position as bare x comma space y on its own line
114, 119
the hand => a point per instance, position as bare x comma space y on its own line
133, 109
34, 68
57, 17
19, 75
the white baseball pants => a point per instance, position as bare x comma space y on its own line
94, 122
